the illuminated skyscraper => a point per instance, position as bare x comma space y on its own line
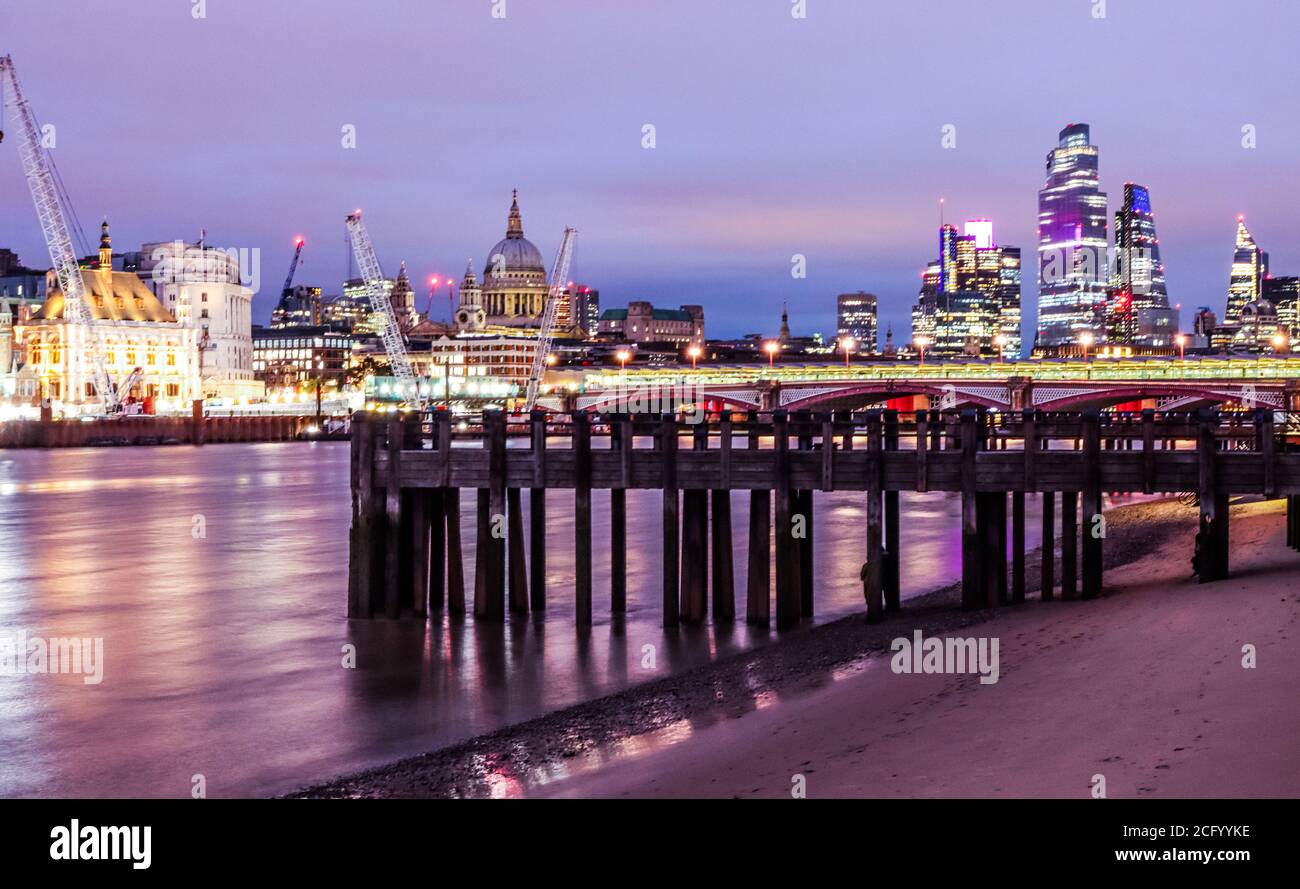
1249, 269
1138, 310
855, 315
969, 302
1072, 277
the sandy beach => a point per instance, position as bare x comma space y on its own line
1145, 687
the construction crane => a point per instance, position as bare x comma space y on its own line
41, 178
389, 332
293, 267
288, 307
546, 336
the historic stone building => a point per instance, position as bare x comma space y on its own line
136, 332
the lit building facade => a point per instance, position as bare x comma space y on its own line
584, 308
1072, 242
641, 322
969, 302
201, 287
1138, 311
855, 316
289, 357
1249, 269
140, 334
299, 306
1284, 293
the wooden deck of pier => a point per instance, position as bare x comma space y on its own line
405, 541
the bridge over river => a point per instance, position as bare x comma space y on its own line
1166, 384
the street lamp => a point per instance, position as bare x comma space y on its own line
771, 347
847, 345
623, 356
694, 352
1085, 340
320, 367
1001, 342
1279, 342
921, 342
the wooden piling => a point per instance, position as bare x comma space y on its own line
1048, 547
893, 538
582, 516
537, 513
1069, 545
788, 605
1018, 547
1094, 527
758, 583
436, 509
724, 582
455, 554
1211, 558
873, 573
393, 523
620, 441
517, 561
671, 530
364, 537
972, 567
490, 596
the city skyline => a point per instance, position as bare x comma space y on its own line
850, 180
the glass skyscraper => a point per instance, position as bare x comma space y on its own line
855, 316
1072, 242
1139, 309
1249, 269
970, 295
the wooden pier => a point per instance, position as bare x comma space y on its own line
405, 540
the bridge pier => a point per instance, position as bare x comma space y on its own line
758, 583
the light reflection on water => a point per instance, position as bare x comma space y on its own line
223, 653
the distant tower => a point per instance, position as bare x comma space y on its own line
1249, 269
1072, 240
402, 300
784, 336
105, 248
6, 337
469, 313
890, 349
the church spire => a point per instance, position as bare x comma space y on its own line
784, 336
105, 248
515, 225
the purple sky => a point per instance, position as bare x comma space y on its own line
776, 136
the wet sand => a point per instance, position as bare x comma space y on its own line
1144, 686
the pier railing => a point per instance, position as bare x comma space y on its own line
407, 475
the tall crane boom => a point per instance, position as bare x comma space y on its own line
54, 225
293, 267
546, 336
373, 275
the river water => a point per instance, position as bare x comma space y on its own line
216, 578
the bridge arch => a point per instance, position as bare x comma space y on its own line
1189, 396
861, 394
